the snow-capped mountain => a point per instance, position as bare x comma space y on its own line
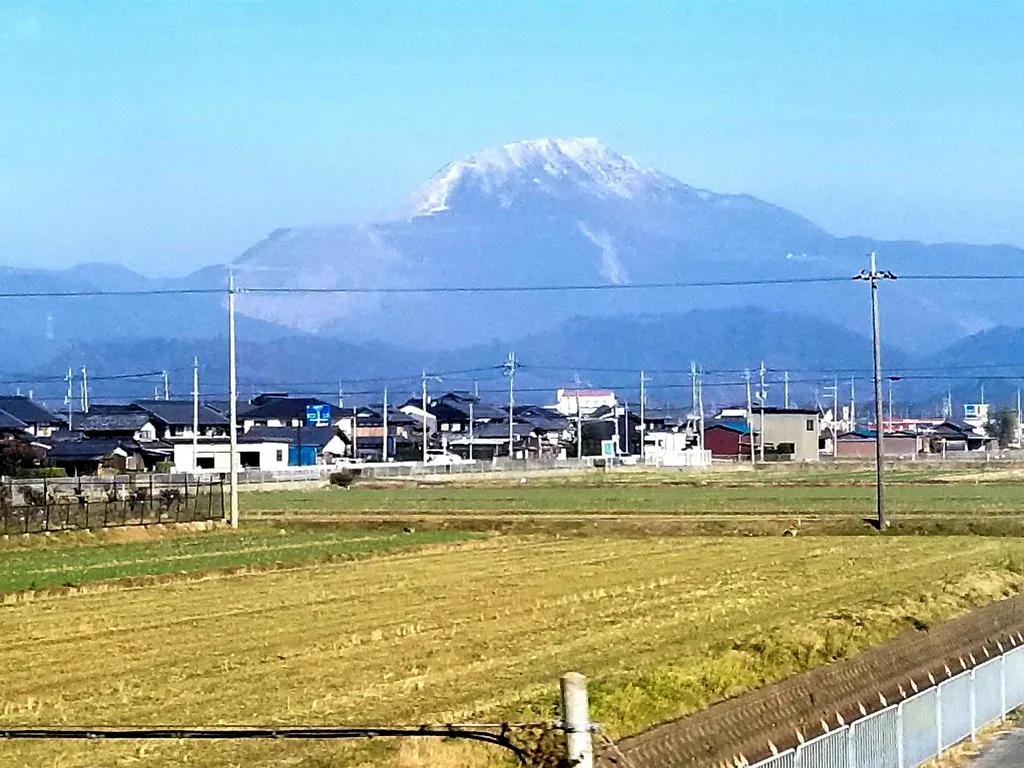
532, 213
542, 211
558, 168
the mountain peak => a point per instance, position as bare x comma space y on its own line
550, 165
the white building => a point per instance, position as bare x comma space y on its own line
213, 454
976, 415
570, 402
674, 449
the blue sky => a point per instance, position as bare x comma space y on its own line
168, 135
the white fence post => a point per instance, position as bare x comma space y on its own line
851, 748
576, 719
938, 719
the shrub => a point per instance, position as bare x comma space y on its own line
345, 478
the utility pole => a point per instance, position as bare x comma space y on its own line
510, 371
693, 386
750, 414
643, 421
579, 426
384, 417
835, 417
762, 395
167, 387
69, 398
785, 391
853, 403
232, 401
423, 405
355, 432
700, 411
625, 425
195, 414
873, 277
472, 416
1018, 435
85, 390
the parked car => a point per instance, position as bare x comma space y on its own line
438, 456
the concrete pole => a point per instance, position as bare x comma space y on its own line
750, 416
643, 422
472, 417
384, 444
423, 404
85, 390
576, 721
880, 427
195, 414
232, 402
511, 367
579, 427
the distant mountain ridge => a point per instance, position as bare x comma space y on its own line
542, 212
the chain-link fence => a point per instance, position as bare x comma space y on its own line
84, 503
920, 727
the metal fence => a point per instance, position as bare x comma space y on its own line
920, 727
84, 503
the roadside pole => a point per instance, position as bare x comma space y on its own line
233, 402
873, 277
384, 444
195, 414
423, 404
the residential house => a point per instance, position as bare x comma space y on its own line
11, 427
490, 440
958, 436
282, 410
173, 418
306, 445
861, 444
790, 433
106, 455
39, 421
213, 454
675, 449
728, 438
115, 421
576, 401
404, 435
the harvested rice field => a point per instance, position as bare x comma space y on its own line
461, 630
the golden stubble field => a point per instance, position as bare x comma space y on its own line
480, 630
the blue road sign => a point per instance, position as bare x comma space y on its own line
318, 415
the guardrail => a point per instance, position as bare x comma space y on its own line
920, 727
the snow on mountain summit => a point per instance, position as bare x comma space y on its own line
554, 166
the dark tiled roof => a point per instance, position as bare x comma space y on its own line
272, 407
318, 436
123, 421
85, 450
25, 410
7, 421
372, 415
492, 429
178, 413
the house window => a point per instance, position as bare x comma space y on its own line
249, 459
280, 455
810, 425
204, 462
